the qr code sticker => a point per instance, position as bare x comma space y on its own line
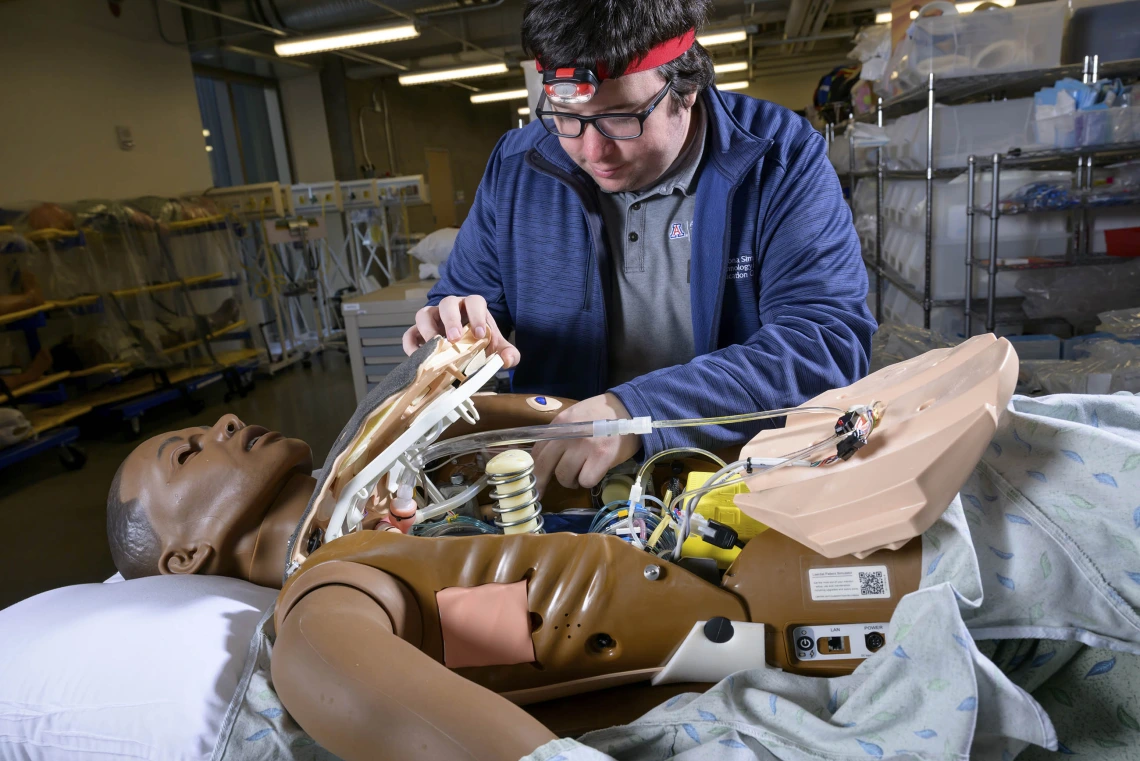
871, 583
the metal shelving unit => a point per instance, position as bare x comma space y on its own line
962, 90
1086, 159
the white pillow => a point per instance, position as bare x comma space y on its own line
140, 669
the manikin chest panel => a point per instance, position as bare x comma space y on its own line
940, 411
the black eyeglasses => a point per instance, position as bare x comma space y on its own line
613, 126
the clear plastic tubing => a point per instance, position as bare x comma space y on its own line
514, 437
442, 508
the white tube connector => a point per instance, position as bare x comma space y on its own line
638, 425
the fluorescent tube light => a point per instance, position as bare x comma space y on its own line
725, 68
445, 75
318, 43
492, 97
722, 38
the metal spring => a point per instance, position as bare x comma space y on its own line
500, 479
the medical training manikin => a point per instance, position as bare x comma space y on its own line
426, 614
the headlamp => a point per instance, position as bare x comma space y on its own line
569, 85
577, 83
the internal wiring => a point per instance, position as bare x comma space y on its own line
644, 520
858, 423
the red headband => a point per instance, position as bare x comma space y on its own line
659, 55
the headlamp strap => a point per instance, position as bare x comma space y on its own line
659, 55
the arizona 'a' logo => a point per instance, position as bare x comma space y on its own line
677, 230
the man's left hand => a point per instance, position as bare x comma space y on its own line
584, 462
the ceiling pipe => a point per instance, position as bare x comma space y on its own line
462, 9
418, 20
280, 34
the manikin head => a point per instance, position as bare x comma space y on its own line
194, 500
612, 35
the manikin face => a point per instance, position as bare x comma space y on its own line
623, 165
207, 490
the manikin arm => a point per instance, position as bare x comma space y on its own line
364, 693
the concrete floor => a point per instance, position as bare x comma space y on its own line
55, 520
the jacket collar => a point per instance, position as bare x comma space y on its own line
731, 149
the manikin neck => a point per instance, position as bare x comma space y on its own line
266, 560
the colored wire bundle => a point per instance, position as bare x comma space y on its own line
615, 520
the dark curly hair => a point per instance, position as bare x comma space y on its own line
135, 546
617, 33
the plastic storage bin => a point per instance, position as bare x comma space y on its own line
1036, 347
986, 42
897, 307
1087, 128
904, 239
1120, 221
978, 129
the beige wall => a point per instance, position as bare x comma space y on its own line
794, 91
72, 72
430, 117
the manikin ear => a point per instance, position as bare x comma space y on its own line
185, 560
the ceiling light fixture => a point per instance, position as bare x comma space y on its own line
524, 111
883, 17
722, 38
725, 68
319, 43
446, 75
733, 85
492, 97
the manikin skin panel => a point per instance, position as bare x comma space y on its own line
941, 410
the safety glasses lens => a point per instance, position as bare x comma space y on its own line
622, 127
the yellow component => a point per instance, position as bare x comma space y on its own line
717, 505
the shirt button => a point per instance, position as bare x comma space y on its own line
637, 206
633, 237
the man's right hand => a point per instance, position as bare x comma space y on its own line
448, 320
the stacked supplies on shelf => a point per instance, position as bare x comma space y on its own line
1074, 115
904, 243
989, 40
1102, 363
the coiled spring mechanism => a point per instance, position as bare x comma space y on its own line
517, 509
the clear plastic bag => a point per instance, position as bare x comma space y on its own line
1085, 376
895, 342
1122, 322
1079, 295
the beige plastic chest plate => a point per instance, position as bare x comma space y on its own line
942, 409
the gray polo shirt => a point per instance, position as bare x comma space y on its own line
650, 230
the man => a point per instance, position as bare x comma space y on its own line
688, 255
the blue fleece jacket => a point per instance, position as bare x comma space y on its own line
777, 284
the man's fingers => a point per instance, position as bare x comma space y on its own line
477, 315
450, 314
412, 340
595, 467
511, 357
545, 454
570, 465
428, 324
500, 345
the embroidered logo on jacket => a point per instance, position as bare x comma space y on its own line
677, 230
